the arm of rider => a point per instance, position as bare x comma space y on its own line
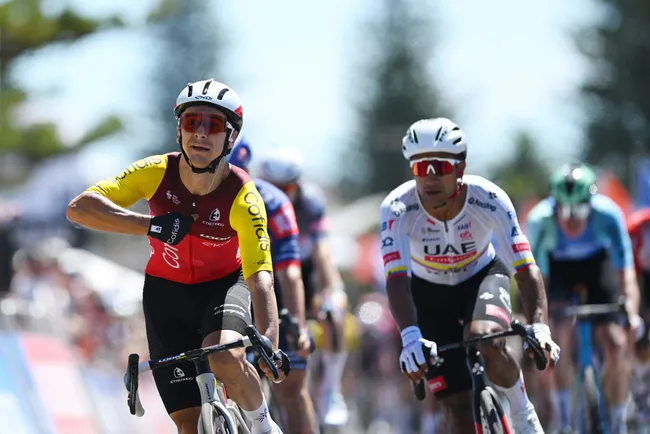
622, 256
99, 213
533, 296
515, 249
329, 279
102, 207
265, 306
266, 316
412, 360
630, 290
395, 249
293, 298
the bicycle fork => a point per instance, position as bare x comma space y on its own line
476, 366
212, 391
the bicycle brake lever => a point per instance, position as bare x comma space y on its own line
526, 333
262, 347
131, 384
623, 310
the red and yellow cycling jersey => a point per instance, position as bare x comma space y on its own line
230, 231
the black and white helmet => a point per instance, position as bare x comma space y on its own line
214, 93
434, 135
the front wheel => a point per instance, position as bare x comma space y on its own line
216, 419
590, 417
492, 418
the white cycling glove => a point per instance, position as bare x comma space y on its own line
638, 325
413, 344
542, 333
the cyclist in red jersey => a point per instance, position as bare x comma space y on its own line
209, 245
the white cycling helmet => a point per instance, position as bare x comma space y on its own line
434, 135
281, 167
211, 92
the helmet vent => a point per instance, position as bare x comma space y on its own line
205, 88
222, 93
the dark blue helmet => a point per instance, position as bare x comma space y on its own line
240, 155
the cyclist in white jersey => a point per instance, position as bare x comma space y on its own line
445, 281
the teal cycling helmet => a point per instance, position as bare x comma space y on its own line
573, 184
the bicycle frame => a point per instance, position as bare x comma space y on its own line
585, 313
586, 360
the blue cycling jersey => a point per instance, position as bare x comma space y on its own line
606, 230
282, 225
312, 221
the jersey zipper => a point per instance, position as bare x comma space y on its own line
448, 241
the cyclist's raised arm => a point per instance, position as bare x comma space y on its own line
516, 252
102, 207
395, 250
248, 218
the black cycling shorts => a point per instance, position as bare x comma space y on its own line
309, 282
595, 273
179, 316
444, 310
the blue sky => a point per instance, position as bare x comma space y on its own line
502, 66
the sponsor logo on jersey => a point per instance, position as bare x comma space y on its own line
172, 197
464, 226
466, 235
387, 242
385, 226
449, 254
520, 247
474, 201
214, 218
413, 207
283, 223
170, 256
515, 231
398, 207
259, 222
392, 256
140, 164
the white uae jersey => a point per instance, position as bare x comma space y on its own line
449, 252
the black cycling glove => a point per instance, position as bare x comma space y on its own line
170, 228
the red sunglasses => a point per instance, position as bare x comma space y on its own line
212, 122
436, 166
